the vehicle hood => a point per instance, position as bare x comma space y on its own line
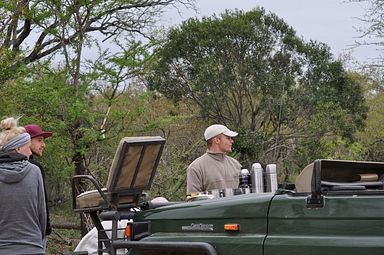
249, 205
215, 212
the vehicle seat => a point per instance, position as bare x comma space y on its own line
132, 171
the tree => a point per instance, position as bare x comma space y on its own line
251, 72
372, 137
372, 33
39, 28
33, 30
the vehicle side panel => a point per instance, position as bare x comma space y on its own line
346, 225
177, 223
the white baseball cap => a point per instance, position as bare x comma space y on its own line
218, 129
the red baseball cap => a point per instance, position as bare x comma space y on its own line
35, 130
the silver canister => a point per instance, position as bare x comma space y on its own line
244, 178
215, 193
271, 178
228, 192
257, 178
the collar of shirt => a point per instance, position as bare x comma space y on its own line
216, 156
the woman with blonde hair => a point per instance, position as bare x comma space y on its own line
22, 214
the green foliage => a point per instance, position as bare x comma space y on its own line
372, 137
184, 144
250, 71
89, 110
37, 29
8, 70
289, 100
46, 98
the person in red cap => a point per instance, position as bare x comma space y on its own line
38, 137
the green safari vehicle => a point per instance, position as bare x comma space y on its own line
336, 208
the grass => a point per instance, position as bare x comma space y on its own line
62, 241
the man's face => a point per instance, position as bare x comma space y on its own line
37, 145
224, 143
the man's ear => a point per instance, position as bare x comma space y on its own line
216, 139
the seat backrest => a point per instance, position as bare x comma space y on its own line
134, 164
304, 179
342, 172
349, 170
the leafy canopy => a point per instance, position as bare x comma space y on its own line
250, 71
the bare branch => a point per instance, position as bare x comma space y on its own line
78, 18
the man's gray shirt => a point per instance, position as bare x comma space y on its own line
213, 171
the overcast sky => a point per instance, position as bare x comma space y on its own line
332, 22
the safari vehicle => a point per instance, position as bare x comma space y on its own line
336, 207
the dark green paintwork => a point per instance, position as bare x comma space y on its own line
346, 225
249, 211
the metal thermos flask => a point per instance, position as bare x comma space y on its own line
271, 178
244, 178
257, 178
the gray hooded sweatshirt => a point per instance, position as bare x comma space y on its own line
22, 206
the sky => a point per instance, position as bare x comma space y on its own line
333, 22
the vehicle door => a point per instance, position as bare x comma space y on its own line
346, 224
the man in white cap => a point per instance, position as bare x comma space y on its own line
215, 169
